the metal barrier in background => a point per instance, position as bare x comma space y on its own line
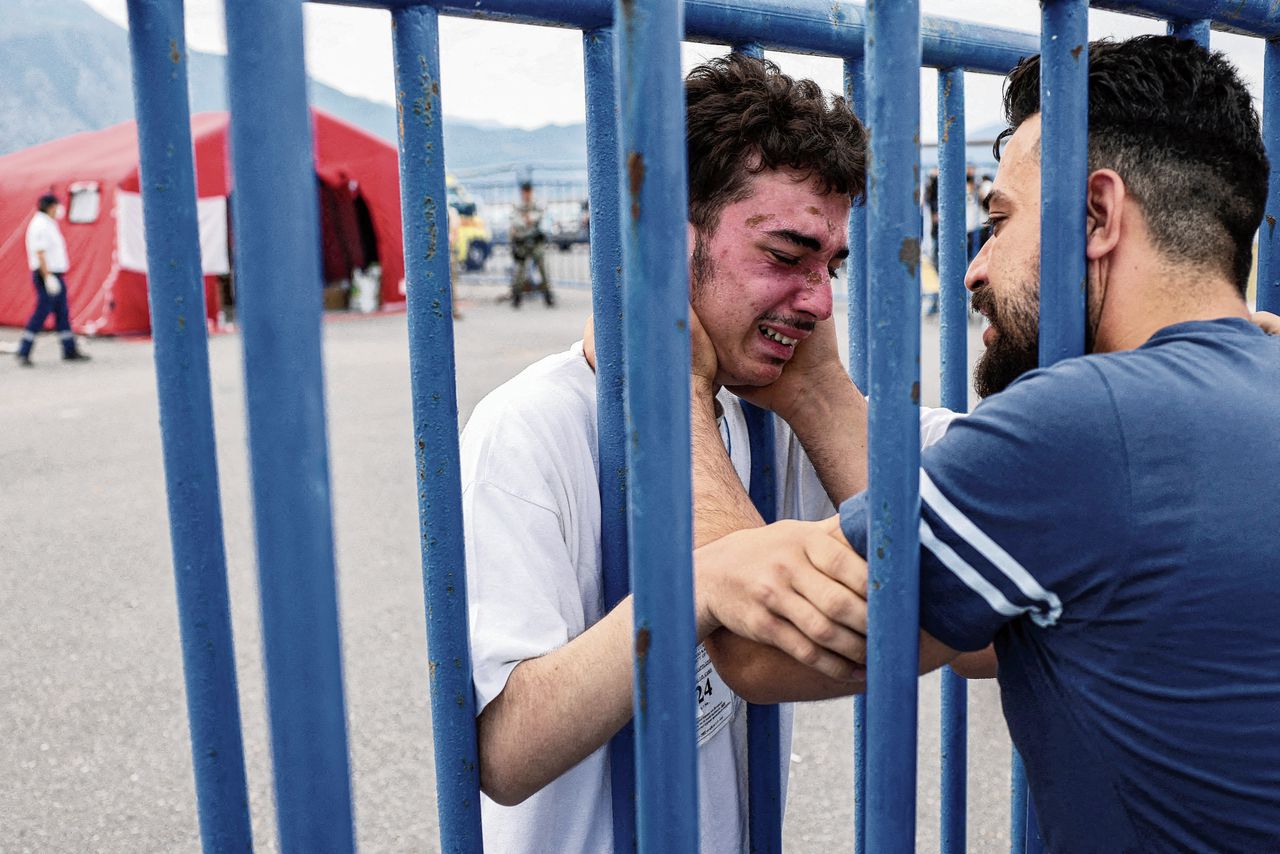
562, 197
636, 180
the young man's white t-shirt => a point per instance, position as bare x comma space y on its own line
531, 509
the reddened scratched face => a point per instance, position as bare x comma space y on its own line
761, 278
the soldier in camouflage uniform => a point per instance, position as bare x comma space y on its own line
528, 242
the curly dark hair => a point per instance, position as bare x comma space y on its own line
744, 116
1178, 126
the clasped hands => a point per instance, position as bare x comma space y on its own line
796, 586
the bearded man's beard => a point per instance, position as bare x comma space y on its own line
1016, 348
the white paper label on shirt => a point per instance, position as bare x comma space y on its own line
716, 703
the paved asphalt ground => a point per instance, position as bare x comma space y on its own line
94, 749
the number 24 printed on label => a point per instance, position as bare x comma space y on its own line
704, 690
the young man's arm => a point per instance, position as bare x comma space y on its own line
778, 677
558, 708
756, 671
822, 406
812, 667
818, 400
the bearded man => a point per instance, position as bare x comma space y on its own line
1109, 523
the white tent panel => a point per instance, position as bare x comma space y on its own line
131, 243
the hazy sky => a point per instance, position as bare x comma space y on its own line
530, 76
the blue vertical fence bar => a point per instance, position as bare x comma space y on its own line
953, 259
1268, 297
764, 747
860, 774
893, 247
1064, 103
278, 280
656, 345
435, 423
1017, 805
159, 53
855, 92
952, 263
764, 756
1035, 843
606, 300
1196, 31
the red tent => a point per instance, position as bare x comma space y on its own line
96, 176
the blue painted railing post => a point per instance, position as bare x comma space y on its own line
657, 359
764, 749
764, 741
1035, 844
176, 286
1064, 104
1195, 30
423, 208
893, 246
855, 92
1017, 805
952, 264
279, 278
606, 300
1268, 297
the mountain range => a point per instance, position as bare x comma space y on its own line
66, 69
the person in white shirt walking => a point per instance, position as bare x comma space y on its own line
47, 258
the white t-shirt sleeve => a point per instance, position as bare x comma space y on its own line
531, 507
521, 582
934, 423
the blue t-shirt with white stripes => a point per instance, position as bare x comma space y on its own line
1112, 524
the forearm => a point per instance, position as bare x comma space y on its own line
755, 671
720, 503
977, 665
831, 424
764, 674
557, 709
772, 676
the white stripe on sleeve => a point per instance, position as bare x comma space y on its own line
991, 550
961, 569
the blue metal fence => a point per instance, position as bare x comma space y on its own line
186, 421
640, 286
274, 207
435, 421
952, 263
893, 424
